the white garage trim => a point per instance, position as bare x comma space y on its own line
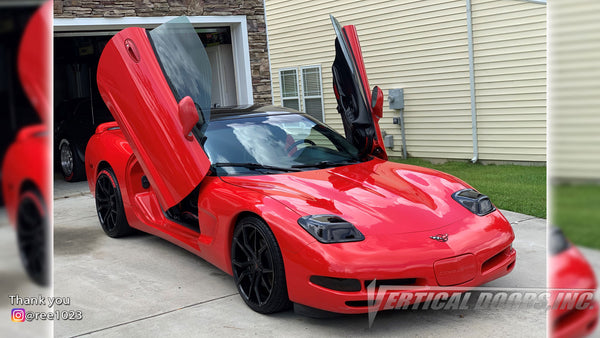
237, 24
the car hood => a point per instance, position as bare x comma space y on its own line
378, 197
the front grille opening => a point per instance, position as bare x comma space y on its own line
337, 284
495, 260
510, 266
393, 282
592, 325
568, 318
357, 303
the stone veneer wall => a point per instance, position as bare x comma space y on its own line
252, 9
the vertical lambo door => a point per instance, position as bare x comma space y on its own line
360, 108
157, 86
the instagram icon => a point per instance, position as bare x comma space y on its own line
18, 315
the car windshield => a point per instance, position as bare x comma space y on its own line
272, 144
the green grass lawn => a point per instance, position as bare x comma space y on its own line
576, 210
511, 187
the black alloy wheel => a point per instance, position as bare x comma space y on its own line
109, 205
257, 265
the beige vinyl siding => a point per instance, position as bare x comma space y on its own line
575, 89
422, 46
509, 42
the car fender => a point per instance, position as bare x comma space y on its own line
26, 162
107, 147
221, 205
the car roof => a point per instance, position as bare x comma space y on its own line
233, 112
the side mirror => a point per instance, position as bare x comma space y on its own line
188, 116
377, 102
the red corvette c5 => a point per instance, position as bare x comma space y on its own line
294, 211
25, 175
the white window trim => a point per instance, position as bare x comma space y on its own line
304, 97
237, 24
298, 87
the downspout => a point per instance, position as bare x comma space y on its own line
269, 53
472, 83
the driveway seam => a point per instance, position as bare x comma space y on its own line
154, 316
523, 220
73, 195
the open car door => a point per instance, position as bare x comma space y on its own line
360, 108
157, 85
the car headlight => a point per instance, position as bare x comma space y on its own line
557, 241
330, 229
476, 202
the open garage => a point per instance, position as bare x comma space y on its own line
79, 109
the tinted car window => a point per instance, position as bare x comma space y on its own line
184, 62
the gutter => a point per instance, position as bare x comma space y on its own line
472, 84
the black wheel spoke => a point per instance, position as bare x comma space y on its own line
263, 282
243, 275
256, 291
107, 187
240, 264
101, 188
262, 249
113, 219
254, 245
247, 245
105, 215
251, 287
241, 246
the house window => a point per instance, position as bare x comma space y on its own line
290, 97
312, 91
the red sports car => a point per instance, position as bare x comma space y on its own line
293, 210
25, 174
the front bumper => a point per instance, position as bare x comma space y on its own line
576, 323
468, 259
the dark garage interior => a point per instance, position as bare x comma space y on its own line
78, 107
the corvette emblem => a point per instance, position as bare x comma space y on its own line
440, 237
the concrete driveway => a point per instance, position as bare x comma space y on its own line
143, 285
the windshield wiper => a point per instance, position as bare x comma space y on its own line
325, 164
254, 166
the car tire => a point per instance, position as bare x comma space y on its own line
257, 266
71, 167
109, 205
32, 236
